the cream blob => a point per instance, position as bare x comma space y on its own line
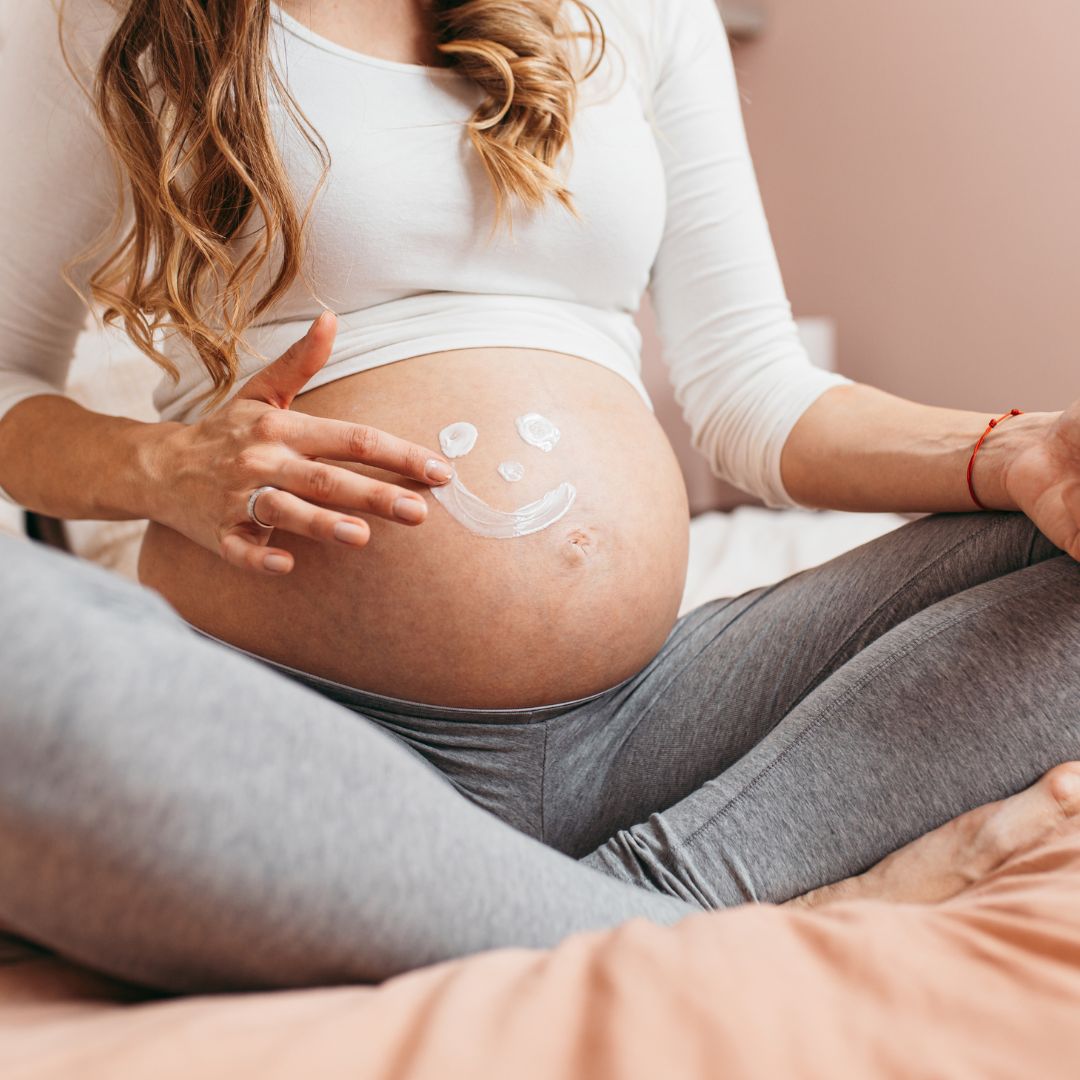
456, 440
479, 517
538, 431
511, 471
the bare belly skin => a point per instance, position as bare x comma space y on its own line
438, 614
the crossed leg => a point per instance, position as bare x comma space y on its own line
884, 712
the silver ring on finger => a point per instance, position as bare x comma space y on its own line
253, 498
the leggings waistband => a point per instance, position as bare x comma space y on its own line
367, 701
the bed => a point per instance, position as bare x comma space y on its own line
985, 985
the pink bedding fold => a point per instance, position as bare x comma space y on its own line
985, 985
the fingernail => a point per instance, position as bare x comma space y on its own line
411, 510
437, 470
276, 564
348, 533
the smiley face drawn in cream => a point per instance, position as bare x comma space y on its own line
478, 516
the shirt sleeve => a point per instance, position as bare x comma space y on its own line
57, 188
734, 356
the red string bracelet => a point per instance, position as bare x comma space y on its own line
982, 438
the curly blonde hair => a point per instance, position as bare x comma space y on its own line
182, 92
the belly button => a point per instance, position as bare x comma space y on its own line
578, 547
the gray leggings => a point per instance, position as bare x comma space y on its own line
176, 813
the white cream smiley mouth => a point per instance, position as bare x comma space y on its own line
481, 518
468, 509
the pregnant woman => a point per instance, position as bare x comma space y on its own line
449, 507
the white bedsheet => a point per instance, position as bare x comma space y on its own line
747, 547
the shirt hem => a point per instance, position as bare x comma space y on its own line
611, 358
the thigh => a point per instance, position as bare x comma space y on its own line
732, 669
964, 703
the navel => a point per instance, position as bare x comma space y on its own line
578, 547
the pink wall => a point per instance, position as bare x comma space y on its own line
920, 164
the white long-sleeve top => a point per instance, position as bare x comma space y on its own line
400, 239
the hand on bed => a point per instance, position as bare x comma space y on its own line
255, 440
1043, 479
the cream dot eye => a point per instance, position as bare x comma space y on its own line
456, 440
538, 431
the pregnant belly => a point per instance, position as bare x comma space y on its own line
440, 613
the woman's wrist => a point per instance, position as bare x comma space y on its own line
68, 462
860, 448
152, 453
1004, 445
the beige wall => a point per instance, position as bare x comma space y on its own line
920, 164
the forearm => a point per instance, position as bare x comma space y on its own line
60, 459
859, 448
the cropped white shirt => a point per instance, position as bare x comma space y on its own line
400, 242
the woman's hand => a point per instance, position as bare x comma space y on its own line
1043, 479
214, 465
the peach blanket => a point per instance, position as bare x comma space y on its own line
986, 985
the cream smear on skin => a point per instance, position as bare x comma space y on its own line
480, 517
537, 431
